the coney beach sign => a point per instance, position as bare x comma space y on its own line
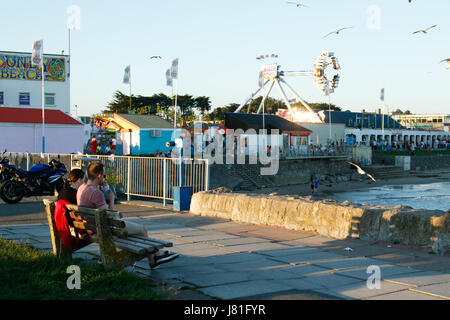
19, 67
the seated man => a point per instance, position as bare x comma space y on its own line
89, 195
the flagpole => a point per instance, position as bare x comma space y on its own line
130, 96
43, 102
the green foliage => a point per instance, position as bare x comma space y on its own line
28, 274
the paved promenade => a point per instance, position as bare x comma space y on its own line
228, 260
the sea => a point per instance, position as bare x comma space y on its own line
434, 196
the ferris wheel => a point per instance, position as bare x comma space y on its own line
271, 75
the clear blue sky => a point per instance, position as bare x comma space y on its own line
217, 43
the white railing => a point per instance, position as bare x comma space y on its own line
133, 176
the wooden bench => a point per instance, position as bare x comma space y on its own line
117, 248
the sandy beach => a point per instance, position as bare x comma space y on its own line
326, 188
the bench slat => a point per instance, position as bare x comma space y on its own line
130, 248
149, 248
111, 213
91, 219
145, 242
164, 243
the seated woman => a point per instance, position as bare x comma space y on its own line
68, 195
90, 195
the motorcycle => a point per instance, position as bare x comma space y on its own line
41, 180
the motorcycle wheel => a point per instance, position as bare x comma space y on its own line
11, 192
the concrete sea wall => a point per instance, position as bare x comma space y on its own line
401, 224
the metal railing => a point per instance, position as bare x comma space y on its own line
133, 176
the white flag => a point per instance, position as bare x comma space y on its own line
175, 69
126, 76
168, 78
261, 79
36, 56
382, 95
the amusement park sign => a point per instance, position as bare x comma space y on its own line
270, 71
19, 67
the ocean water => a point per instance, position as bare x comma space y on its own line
435, 196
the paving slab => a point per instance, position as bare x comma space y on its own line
422, 278
231, 227
304, 257
256, 264
293, 294
442, 289
328, 281
289, 251
210, 236
314, 240
304, 270
385, 272
238, 240
405, 295
360, 290
347, 262
217, 278
256, 247
244, 289
416, 260
276, 234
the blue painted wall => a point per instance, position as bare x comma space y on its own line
149, 145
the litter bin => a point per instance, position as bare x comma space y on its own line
182, 198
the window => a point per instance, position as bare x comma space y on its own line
1, 98
24, 98
49, 99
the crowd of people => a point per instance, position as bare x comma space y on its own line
398, 145
104, 145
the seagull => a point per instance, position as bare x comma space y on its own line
448, 63
361, 171
337, 32
426, 30
155, 57
297, 4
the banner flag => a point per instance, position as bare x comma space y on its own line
126, 76
36, 56
168, 78
382, 95
261, 79
175, 69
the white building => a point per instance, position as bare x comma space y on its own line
21, 100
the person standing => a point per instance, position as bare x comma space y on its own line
94, 145
113, 145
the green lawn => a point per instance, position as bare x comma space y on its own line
26, 273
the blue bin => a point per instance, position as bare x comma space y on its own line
182, 198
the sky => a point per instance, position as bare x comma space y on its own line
217, 43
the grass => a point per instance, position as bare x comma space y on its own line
29, 274
417, 153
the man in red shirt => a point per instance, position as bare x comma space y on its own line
94, 145
89, 195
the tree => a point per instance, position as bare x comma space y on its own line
120, 103
398, 111
203, 105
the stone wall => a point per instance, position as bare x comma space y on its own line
437, 161
401, 224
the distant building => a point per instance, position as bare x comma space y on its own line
141, 134
290, 135
21, 105
424, 121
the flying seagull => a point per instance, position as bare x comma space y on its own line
361, 171
337, 31
426, 30
297, 4
448, 63
155, 57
